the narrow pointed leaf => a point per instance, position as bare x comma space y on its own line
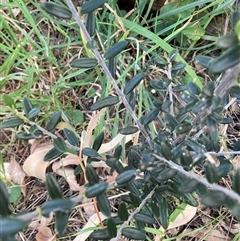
55, 205
125, 177
91, 5
4, 197
111, 227
27, 105
53, 187
55, 118
101, 234
128, 130
104, 205
133, 83
105, 102
116, 49
91, 175
52, 154
133, 233
56, 10
11, 122
214, 199
122, 212
98, 141
84, 63
61, 222
96, 189
60, 144
72, 139
236, 181
11, 226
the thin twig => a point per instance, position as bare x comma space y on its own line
107, 72
131, 216
202, 180
223, 153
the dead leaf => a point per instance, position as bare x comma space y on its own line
184, 217
45, 234
15, 173
34, 164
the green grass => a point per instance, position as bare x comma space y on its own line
36, 50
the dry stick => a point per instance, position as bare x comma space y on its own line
138, 209
226, 82
202, 180
107, 72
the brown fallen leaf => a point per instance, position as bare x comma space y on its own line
15, 173
34, 165
45, 234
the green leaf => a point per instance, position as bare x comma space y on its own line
85, 63
91, 23
227, 41
212, 126
122, 212
116, 49
203, 60
56, 10
11, 226
166, 106
227, 60
55, 118
96, 189
72, 139
235, 91
61, 222
75, 116
104, 205
193, 88
172, 122
208, 89
105, 102
91, 5
189, 185
111, 64
111, 227
9, 101
52, 154
4, 196
194, 32
101, 234
27, 105
166, 150
91, 175
211, 172
144, 218
33, 113
90, 152
133, 83
53, 187
98, 141
214, 199
166, 174
133, 233
129, 130
125, 177
150, 116
11, 122
236, 181
24, 136
57, 205
15, 193
186, 160
195, 146
183, 128
60, 144
235, 18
